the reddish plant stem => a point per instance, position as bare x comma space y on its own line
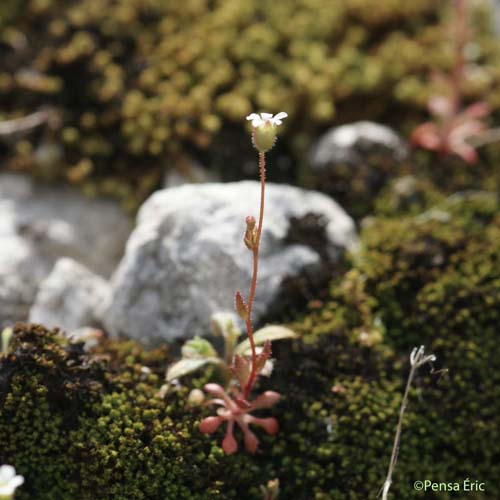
460, 42
457, 74
253, 285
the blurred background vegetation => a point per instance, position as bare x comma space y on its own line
131, 88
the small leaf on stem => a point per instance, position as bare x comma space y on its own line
271, 332
264, 356
198, 348
241, 307
241, 369
187, 366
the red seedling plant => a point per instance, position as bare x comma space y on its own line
453, 127
235, 406
451, 131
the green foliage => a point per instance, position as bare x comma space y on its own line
137, 83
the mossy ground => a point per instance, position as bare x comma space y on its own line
138, 84
81, 425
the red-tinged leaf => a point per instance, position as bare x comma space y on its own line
229, 444
427, 136
461, 132
270, 425
264, 355
210, 424
251, 441
242, 403
477, 110
215, 390
266, 400
466, 152
241, 307
241, 369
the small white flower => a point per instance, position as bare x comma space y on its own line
418, 357
265, 118
9, 481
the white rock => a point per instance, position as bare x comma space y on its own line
21, 269
71, 297
39, 224
352, 144
186, 257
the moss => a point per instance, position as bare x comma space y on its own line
126, 442
46, 385
123, 441
407, 195
139, 83
443, 258
433, 279
82, 426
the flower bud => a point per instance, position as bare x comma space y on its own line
250, 238
196, 397
264, 137
250, 220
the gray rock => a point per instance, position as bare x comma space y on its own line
352, 163
38, 225
71, 297
353, 144
21, 269
186, 257
61, 221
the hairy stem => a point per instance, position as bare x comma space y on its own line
457, 75
397, 437
253, 285
418, 358
460, 42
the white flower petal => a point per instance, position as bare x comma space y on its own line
266, 118
7, 472
16, 481
281, 115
